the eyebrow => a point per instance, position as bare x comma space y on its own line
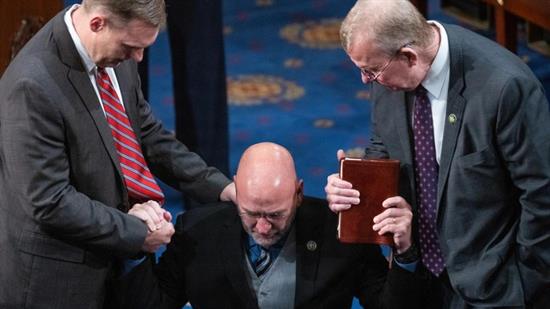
263, 212
126, 45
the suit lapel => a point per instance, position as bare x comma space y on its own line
309, 239
401, 124
80, 81
231, 252
455, 110
402, 106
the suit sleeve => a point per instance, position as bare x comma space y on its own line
34, 139
162, 285
376, 148
171, 160
523, 139
395, 288
170, 270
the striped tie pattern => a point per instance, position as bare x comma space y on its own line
426, 174
263, 263
139, 181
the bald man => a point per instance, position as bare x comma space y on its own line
276, 249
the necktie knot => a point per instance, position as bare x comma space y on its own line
263, 262
101, 73
420, 90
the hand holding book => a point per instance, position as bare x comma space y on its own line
394, 215
376, 180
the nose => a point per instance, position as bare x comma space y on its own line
263, 226
364, 78
137, 54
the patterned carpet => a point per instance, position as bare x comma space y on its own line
289, 82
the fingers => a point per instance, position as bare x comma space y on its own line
340, 154
396, 201
340, 194
229, 193
391, 225
149, 212
158, 238
397, 220
167, 216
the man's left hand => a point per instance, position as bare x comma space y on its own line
396, 219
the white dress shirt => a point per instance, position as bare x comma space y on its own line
437, 85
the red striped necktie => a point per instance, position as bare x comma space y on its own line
139, 181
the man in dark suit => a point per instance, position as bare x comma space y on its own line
275, 249
469, 123
78, 144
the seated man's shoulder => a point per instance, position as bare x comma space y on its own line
315, 205
207, 215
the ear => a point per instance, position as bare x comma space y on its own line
97, 23
235, 183
410, 54
299, 192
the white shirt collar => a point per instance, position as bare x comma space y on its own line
86, 59
435, 79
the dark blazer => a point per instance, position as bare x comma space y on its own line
494, 175
63, 225
204, 264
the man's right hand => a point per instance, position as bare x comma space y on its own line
151, 214
156, 239
340, 195
158, 221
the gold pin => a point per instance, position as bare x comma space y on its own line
311, 245
452, 118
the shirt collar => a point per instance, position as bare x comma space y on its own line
435, 79
88, 63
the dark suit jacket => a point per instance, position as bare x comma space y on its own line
204, 265
494, 175
62, 220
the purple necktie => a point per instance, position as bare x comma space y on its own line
426, 170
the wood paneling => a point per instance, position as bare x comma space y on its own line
12, 12
507, 12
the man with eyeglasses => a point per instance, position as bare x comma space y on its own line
469, 123
276, 249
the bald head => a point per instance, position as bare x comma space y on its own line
268, 192
266, 169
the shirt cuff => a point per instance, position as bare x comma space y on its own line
386, 251
128, 265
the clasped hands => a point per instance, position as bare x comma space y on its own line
395, 219
159, 224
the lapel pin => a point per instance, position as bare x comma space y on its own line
311, 245
452, 118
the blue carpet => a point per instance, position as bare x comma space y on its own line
289, 82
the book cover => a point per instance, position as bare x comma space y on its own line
376, 180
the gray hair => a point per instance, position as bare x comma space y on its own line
150, 11
389, 24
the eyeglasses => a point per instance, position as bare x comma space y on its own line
371, 76
269, 216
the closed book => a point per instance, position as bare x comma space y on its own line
376, 180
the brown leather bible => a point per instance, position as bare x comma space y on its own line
376, 180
